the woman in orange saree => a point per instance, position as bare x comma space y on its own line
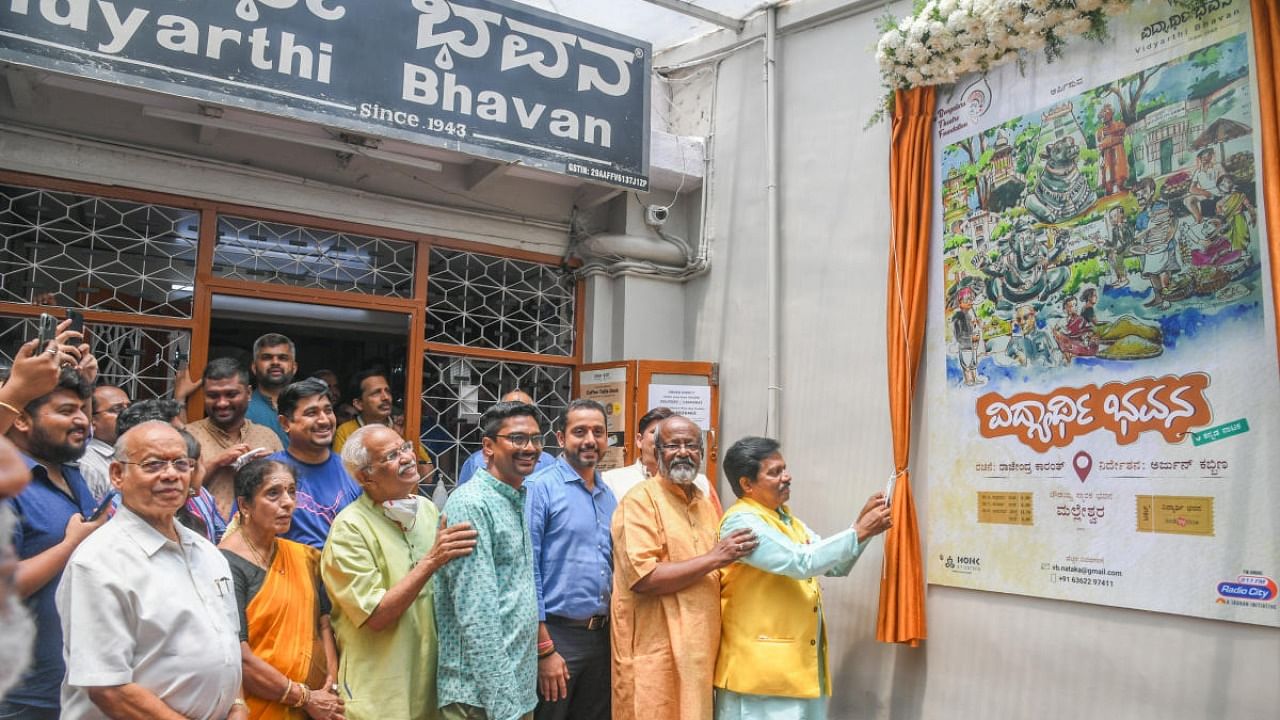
287, 649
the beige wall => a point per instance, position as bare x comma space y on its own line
988, 655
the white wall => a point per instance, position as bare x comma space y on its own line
988, 655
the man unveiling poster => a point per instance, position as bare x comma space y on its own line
1103, 393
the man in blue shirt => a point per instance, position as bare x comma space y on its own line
477, 459
569, 510
324, 486
274, 365
50, 433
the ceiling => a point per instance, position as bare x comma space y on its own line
646, 21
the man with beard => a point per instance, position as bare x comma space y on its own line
665, 617
147, 606
108, 402
324, 485
50, 434
274, 365
569, 509
621, 480
382, 552
225, 434
486, 605
371, 395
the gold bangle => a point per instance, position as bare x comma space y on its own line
304, 698
10, 408
288, 687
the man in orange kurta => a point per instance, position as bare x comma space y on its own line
665, 616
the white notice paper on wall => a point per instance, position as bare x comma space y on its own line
691, 401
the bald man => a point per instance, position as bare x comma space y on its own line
477, 461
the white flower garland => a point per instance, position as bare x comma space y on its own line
946, 39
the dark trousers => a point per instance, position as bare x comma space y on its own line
11, 711
586, 653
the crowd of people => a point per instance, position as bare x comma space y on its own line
268, 561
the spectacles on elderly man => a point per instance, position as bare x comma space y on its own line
405, 449
681, 447
155, 466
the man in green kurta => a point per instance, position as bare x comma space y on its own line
377, 565
488, 608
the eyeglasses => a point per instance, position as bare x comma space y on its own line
113, 410
522, 440
681, 447
395, 454
157, 466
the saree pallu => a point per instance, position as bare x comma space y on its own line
283, 625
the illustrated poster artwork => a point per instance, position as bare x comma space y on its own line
1103, 329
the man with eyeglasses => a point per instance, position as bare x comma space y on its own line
382, 552
108, 402
149, 616
478, 459
569, 509
324, 485
486, 604
665, 617
50, 434
622, 479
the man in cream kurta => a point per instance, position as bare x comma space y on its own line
665, 617
377, 565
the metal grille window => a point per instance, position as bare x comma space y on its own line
90, 252
455, 391
141, 361
494, 302
284, 254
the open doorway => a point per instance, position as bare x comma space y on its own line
342, 339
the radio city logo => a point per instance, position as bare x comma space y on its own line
961, 563
1257, 588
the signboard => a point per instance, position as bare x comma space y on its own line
609, 388
691, 401
491, 78
1105, 378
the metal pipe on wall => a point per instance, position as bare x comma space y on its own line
773, 415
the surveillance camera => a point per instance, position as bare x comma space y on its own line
655, 215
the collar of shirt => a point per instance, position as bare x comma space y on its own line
512, 495
225, 438
40, 471
100, 447
782, 511
147, 538
263, 398
569, 475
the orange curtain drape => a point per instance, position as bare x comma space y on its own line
1266, 43
901, 618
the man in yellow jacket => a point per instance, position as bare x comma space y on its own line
773, 645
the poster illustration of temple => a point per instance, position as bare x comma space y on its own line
1114, 226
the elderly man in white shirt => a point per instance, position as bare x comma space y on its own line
149, 619
621, 480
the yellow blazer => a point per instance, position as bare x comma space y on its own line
769, 638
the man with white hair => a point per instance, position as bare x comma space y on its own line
149, 617
377, 564
665, 616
